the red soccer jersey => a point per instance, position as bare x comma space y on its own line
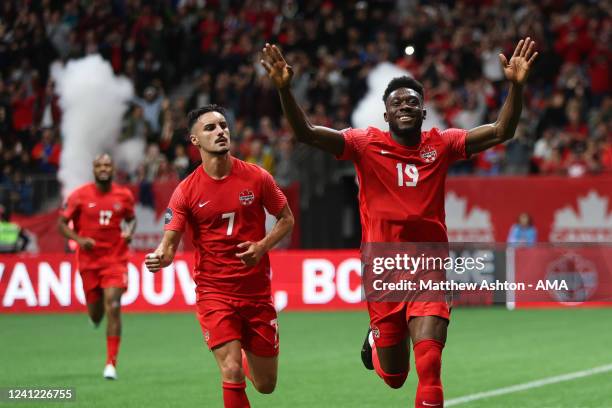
98, 215
222, 214
401, 188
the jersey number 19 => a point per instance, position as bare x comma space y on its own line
410, 171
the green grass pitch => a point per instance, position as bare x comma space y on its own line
164, 363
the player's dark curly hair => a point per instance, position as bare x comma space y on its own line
403, 82
192, 117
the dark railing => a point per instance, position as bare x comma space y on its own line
30, 194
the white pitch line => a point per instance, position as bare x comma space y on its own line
528, 386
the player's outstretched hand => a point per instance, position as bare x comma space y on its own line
153, 261
86, 243
517, 69
278, 70
252, 255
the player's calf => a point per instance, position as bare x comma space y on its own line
262, 371
95, 310
265, 385
391, 363
392, 380
428, 361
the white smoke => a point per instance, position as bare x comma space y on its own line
129, 154
93, 102
370, 110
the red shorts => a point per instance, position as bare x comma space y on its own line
389, 320
94, 280
253, 323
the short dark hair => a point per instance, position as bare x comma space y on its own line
101, 155
403, 82
192, 117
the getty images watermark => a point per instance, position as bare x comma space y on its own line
486, 273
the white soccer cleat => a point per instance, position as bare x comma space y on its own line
110, 372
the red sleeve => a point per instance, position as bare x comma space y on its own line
273, 198
71, 206
355, 141
176, 213
455, 139
129, 205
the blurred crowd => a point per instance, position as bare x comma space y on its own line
181, 54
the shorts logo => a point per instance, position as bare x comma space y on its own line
168, 216
274, 323
206, 336
246, 197
375, 332
428, 153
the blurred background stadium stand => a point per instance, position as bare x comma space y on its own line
181, 54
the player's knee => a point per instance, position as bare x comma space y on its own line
232, 371
395, 381
113, 307
266, 385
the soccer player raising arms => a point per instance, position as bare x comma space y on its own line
223, 201
97, 211
401, 197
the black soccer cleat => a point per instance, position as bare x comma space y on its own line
366, 352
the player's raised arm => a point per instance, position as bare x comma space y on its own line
516, 71
164, 254
281, 73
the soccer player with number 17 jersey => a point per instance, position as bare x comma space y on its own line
224, 202
98, 211
401, 176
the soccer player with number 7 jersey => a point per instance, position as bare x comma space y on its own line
401, 175
103, 218
224, 202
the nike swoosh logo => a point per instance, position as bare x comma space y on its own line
203, 204
430, 405
383, 152
92, 205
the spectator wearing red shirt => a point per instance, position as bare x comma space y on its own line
22, 105
47, 152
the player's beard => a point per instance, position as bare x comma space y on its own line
104, 183
406, 133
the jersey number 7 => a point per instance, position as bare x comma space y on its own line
230, 225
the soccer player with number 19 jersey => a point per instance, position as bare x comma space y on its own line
224, 202
401, 199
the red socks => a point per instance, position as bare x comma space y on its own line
392, 380
234, 395
428, 358
112, 349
